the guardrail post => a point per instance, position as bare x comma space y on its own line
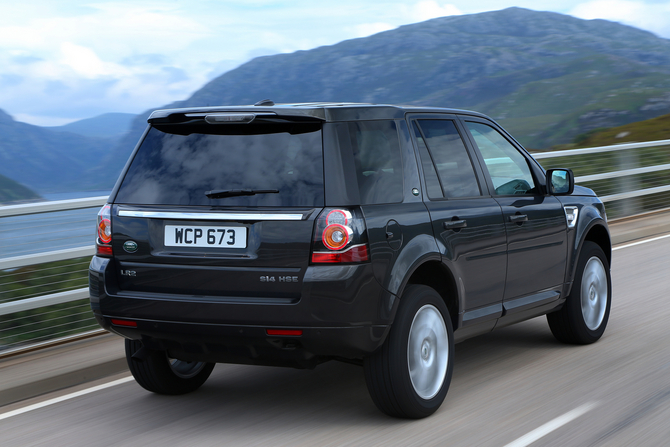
628, 159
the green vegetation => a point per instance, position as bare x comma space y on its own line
49, 322
654, 129
11, 191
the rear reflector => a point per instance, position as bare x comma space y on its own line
103, 250
357, 253
125, 323
289, 332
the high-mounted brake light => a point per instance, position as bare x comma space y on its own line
340, 236
222, 118
104, 239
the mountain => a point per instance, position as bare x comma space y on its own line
105, 125
52, 161
11, 191
547, 77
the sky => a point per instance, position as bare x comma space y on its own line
65, 60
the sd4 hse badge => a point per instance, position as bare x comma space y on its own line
279, 279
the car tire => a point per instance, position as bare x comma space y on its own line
583, 317
409, 375
157, 373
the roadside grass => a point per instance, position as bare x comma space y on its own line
50, 322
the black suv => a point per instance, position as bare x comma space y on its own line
294, 234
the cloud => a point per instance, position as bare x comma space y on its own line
86, 62
649, 16
430, 9
75, 63
368, 29
77, 58
145, 59
258, 52
25, 60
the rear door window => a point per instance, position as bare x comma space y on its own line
445, 160
178, 164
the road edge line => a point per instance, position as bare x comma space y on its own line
552, 425
632, 244
56, 400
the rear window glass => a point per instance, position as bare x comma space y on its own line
177, 165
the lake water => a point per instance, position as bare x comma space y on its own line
35, 233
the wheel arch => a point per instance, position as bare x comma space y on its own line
591, 226
599, 234
434, 274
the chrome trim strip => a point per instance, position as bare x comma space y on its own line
209, 216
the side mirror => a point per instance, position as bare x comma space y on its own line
560, 182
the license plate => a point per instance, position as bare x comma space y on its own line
197, 236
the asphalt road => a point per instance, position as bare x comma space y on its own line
506, 385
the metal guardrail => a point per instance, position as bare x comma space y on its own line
600, 149
43, 301
56, 205
583, 175
633, 181
46, 257
53, 315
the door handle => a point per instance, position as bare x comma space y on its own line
454, 224
518, 218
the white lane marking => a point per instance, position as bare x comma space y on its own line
550, 426
56, 400
632, 244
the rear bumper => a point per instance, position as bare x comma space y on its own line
342, 312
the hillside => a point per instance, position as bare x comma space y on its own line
546, 77
52, 161
649, 130
101, 126
10, 191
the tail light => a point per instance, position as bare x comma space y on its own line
104, 239
340, 236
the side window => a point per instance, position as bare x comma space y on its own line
377, 157
446, 150
433, 186
507, 167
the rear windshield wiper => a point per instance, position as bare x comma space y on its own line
223, 193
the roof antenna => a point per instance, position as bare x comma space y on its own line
265, 102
